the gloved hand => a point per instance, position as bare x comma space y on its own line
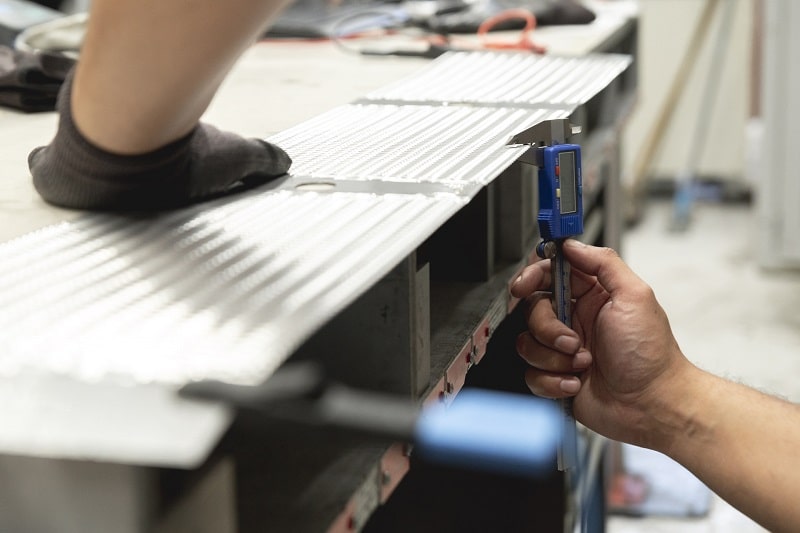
30, 81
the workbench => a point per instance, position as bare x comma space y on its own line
392, 283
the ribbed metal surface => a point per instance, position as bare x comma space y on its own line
508, 78
220, 294
116, 312
455, 146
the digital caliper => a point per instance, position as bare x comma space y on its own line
560, 217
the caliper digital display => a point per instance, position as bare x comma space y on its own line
560, 191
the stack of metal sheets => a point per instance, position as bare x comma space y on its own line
105, 317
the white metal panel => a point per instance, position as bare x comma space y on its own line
102, 319
513, 79
223, 294
455, 146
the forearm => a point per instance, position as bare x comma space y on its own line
743, 444
148, 70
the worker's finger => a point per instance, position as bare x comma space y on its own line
534, 277
537, 277
583, 283
550, 359
545, 326
533, 300
603, 263
565, 356
550, 385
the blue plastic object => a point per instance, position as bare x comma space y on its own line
560, 192
494, 431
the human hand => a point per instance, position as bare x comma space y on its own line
620, 361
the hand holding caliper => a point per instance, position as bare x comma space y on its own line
635, 385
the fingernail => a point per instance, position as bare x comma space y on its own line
567, 344
581, 360
574, 243
570, 385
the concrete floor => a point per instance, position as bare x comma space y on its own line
729, 316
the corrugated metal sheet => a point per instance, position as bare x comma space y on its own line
457, 146
116, 312
102, 319
223, 294
508, 78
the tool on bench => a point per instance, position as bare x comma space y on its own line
560, 217
480, 429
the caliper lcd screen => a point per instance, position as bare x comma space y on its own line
569, 185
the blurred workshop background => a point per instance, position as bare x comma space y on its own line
718, 111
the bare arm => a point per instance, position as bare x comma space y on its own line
631, 382
149, 68
743, 444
